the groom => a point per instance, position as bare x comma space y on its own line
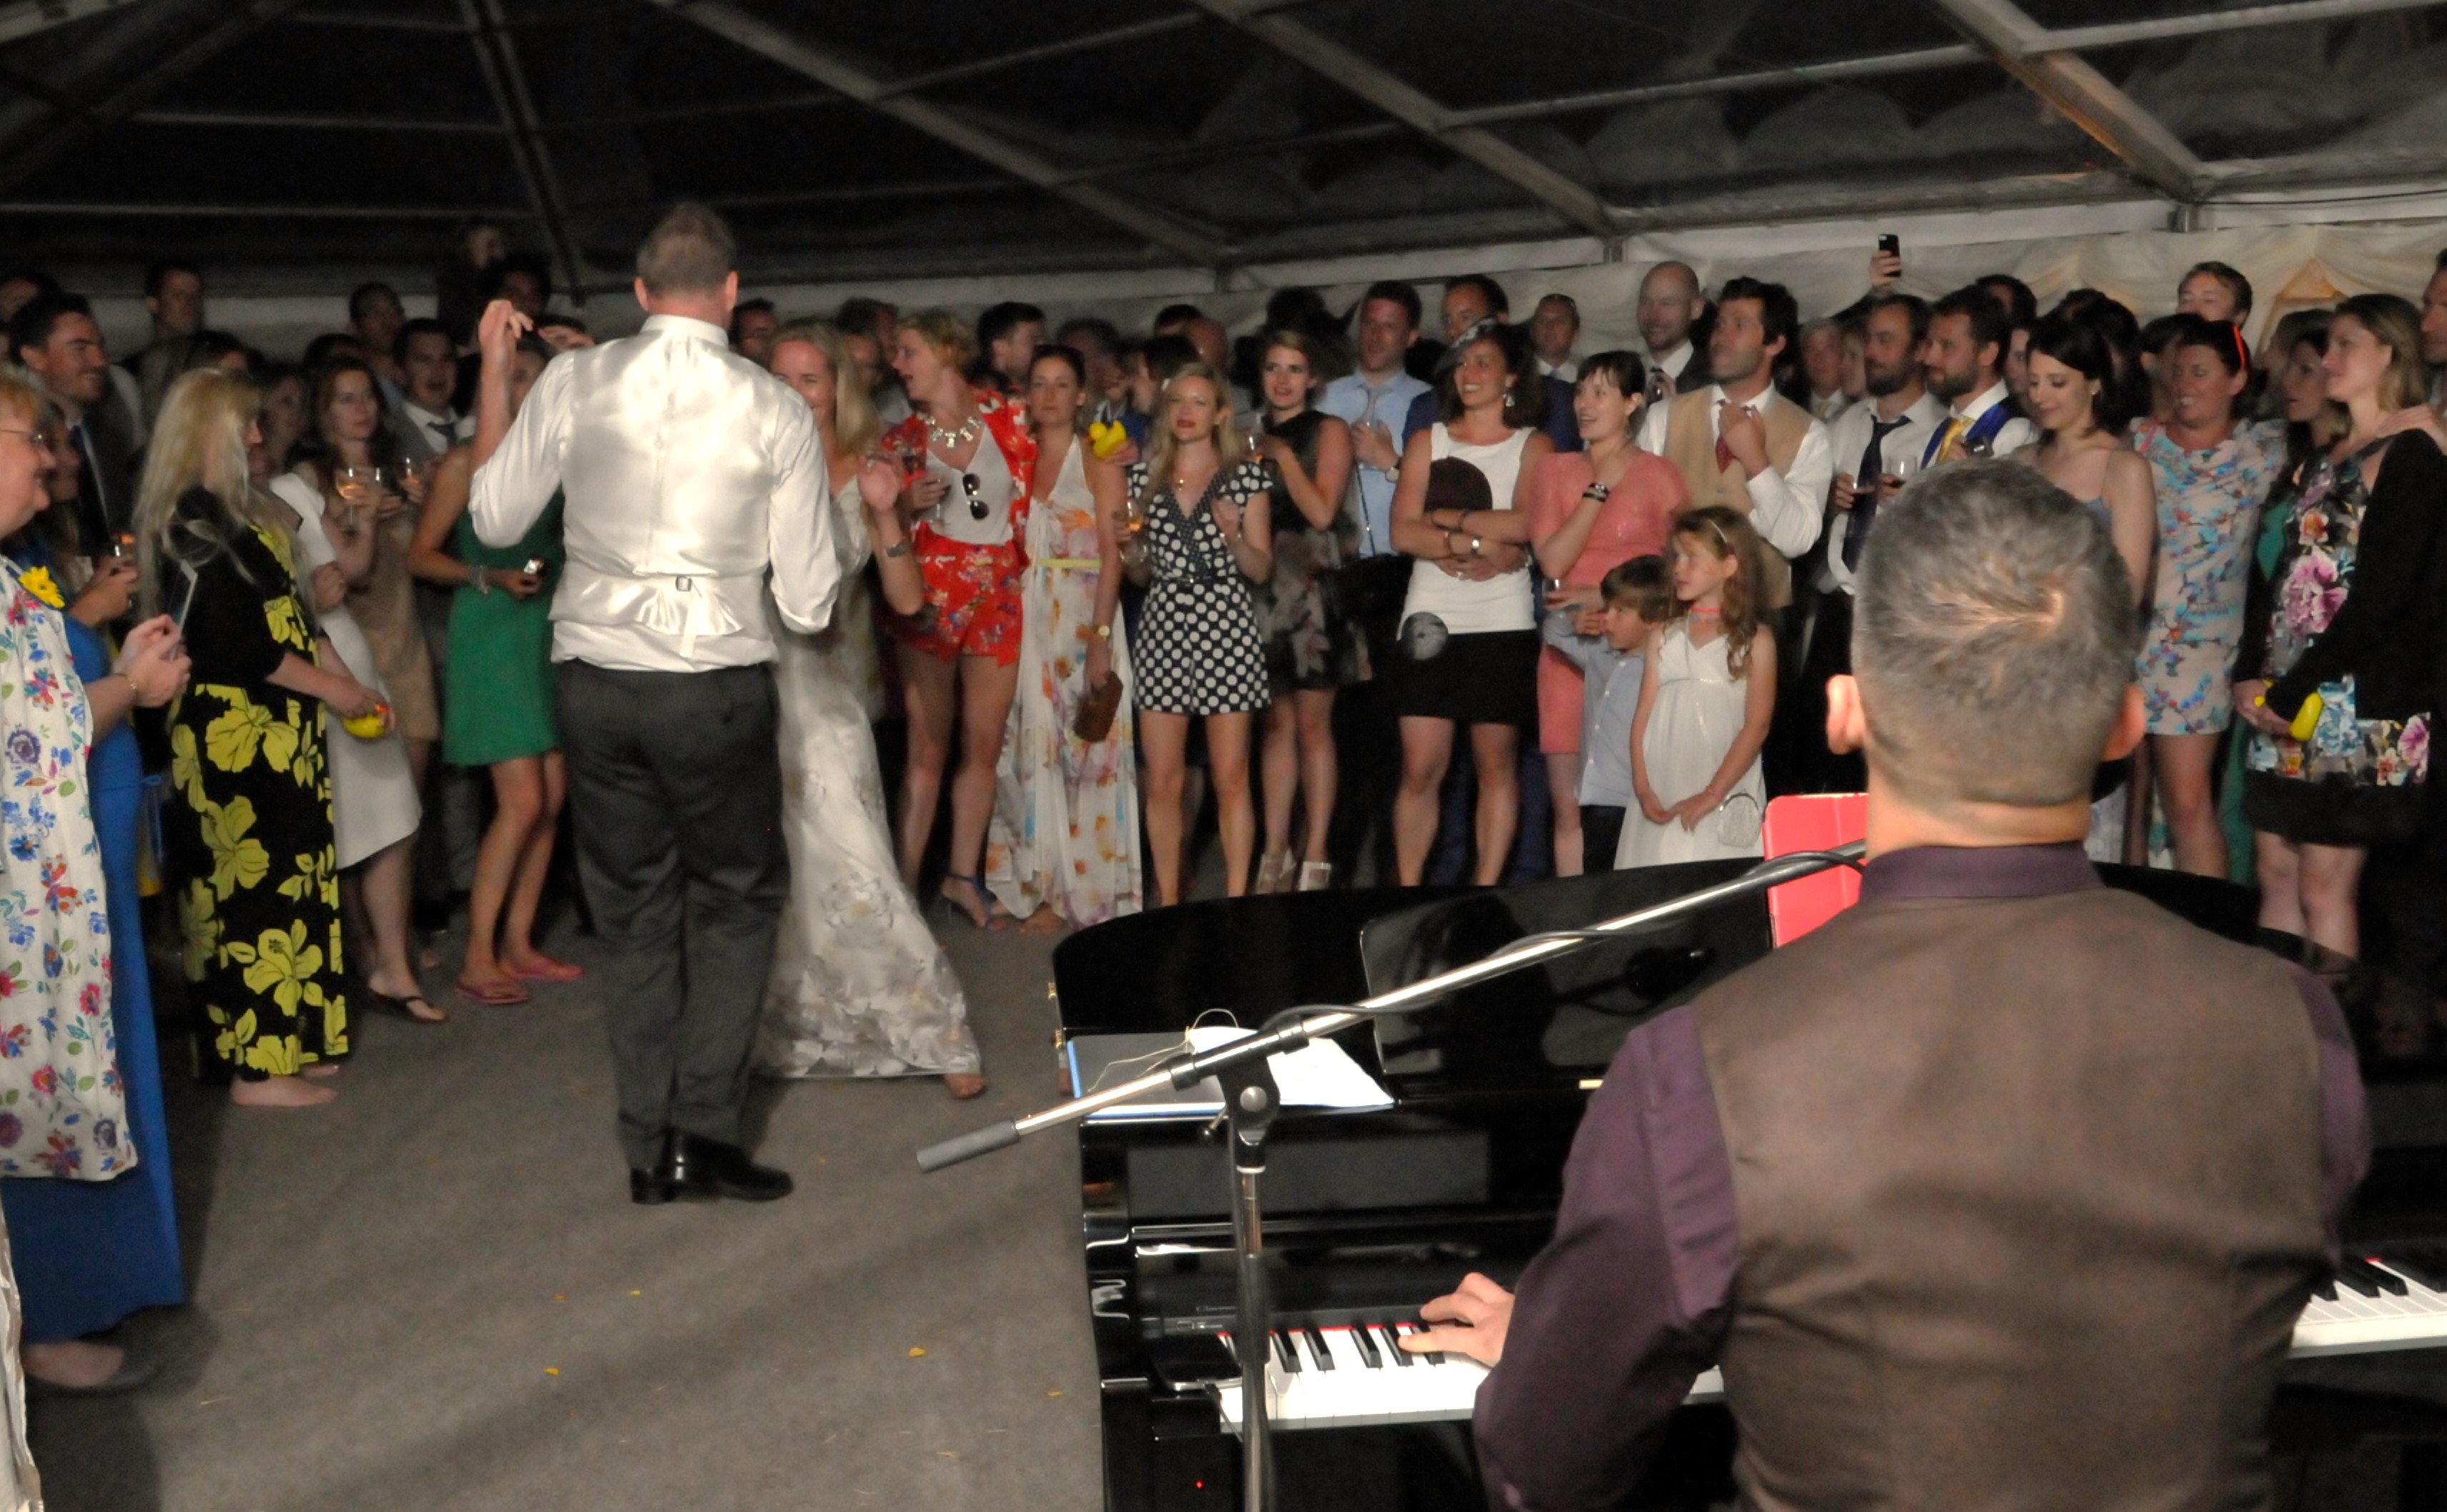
688, 472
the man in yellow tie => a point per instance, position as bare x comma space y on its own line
1964, 359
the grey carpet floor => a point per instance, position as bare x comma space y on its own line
435, 1293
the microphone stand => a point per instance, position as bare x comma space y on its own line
1251, 1100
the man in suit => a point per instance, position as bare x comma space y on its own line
1671, 308
54, 336
2000, 1188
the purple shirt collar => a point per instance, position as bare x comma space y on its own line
1998, 871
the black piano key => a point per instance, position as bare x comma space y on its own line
1317, 1350
1393, 1344
2327, 1292
2429, 1267
1285, 1356
1431, 1356
1367, 1347
2357, 1266
2352, 1280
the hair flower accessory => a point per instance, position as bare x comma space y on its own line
37, 581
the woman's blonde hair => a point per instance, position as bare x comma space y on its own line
21, 393
1722, 533
199, 442
2394, 323
1227, 437
852, 428
954, 340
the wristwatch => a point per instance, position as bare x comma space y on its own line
1597, 491
1104, 633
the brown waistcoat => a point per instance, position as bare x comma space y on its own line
2028, 1194
1691, 446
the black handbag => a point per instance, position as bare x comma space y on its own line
1368, 591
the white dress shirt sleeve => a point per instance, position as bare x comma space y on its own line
508, 494
799, 523
1652, 429
1788, 506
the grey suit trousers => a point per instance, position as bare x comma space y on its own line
676, 799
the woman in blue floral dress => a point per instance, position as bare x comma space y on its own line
2352, 619
2211, 473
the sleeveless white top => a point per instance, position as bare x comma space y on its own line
996, 486
1501, 602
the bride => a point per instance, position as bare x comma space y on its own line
860, 988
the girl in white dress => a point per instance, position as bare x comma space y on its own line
859, 988
1704, 702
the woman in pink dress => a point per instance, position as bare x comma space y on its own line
1590, 511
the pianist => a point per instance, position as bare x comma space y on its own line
2001, 1188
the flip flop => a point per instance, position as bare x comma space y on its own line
492, 996
557, 972
998, 916
398, 1007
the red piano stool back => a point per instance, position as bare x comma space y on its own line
1809, 822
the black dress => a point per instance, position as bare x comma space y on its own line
248, 833
1308, 646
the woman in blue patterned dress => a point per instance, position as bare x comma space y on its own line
2210, 472
90, 1222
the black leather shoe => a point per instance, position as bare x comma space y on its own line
651, 1189
702, 1169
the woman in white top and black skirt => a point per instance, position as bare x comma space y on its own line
1201, 537
1468, 645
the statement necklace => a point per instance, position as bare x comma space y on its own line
952, 440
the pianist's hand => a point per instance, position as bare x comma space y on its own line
1471, 1321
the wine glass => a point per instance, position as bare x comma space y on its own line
357, 487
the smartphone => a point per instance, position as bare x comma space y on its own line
183, 596
1891, 245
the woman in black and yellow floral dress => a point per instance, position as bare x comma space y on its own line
248, 830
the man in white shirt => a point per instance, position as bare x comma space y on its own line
1375, 402
1670, 304
428, 370
690, 473
1964, 364
1732, 444
1876, 447
1554, 326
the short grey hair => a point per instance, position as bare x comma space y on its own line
1995, 638
691, 251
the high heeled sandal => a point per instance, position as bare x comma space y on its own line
1315, 877
1271, 867
998, 916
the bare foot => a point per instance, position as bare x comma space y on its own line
970, 896
964, 1085
279, 1091
321, 1070
1044, 921
73, 1362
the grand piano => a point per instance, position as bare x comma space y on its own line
1370, 1213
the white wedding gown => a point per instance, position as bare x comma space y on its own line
860, 988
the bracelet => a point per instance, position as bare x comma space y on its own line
899, 548
1597, 493
482, 581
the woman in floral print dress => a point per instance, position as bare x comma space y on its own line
248, 832
2351, 617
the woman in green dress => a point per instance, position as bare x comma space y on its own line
248, 833
497, 710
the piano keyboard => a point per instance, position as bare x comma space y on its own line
1355, 1375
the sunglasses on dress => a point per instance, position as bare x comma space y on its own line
970, 485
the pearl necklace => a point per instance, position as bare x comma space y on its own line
952, 440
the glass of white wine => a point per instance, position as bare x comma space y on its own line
357, 488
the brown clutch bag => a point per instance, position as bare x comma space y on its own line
1094, 720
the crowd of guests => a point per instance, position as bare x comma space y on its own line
1402, 608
